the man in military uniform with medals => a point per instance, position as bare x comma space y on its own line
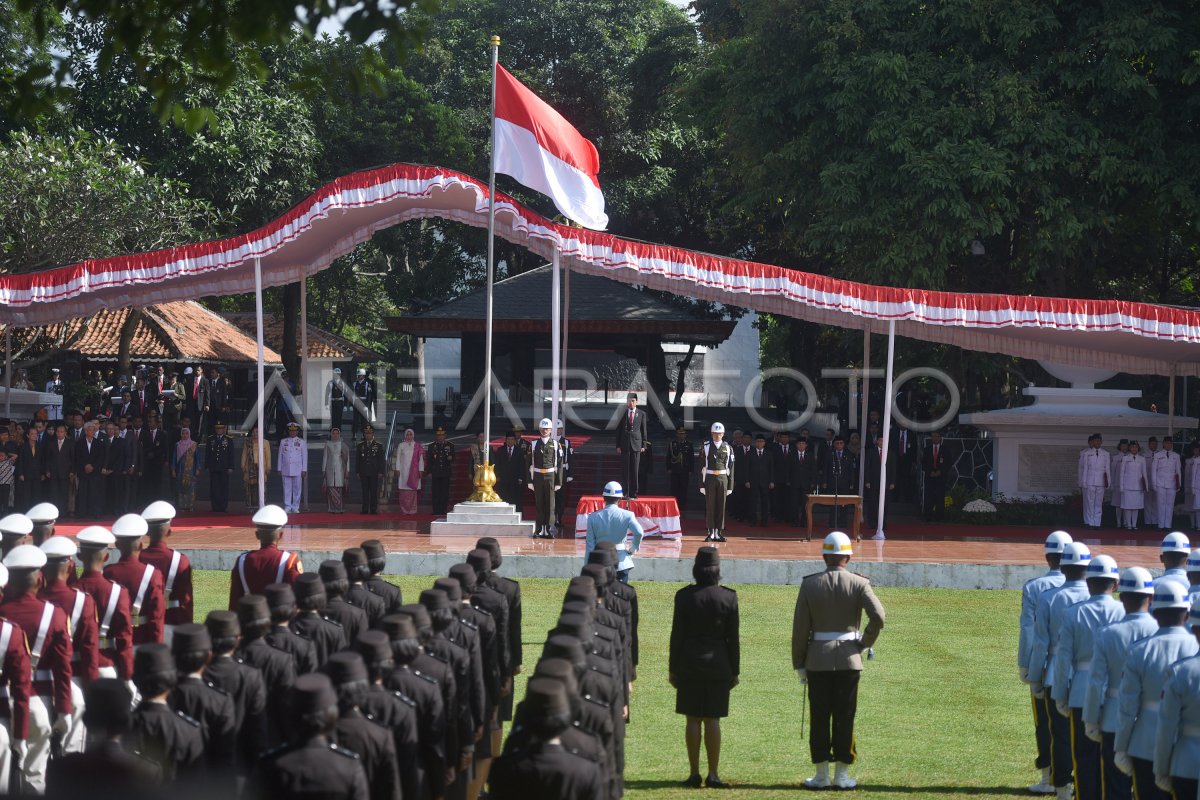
219, 461
440, 468
681, 458
369, 463
545, 477
716, 481
560, 496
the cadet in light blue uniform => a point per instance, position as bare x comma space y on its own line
1108, 663
1174, 556
1030, 592
1193, 574
1177, 745
1073, 663
1047, 623
614, 524
1146, 672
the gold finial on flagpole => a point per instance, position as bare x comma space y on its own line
495, 41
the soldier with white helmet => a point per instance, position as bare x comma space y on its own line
716, 481
1030, 592
81, 613
1174, 555
1177, 742
111, 601
614, 524
1109, 651
145, 584
1047, 623
173, 565
1073, 663
14, 530
545, 477
826, 654
1146, 672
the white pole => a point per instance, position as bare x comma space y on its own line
491, 267
566, 317
864, 386
262, 398
302, 385
887, 426
8, 370
555, 337
1171, 405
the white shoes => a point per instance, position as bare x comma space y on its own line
1065, 792
841, 777
821, 779
1045, 786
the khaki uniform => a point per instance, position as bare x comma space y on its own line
545, 475
826, 642
716, 478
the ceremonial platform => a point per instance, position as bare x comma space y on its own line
916, 554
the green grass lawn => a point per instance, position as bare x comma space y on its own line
941, 711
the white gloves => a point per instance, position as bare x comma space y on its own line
1123, 762
21, 748
728, 492
1063, 708
530, 485
1092, 731
61, 725
1024, 673
802, 674
570, 479
1164, 782
701, 490
1039, 691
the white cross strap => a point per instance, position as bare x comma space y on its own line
110, 610
39, 643
241, 568
77, 610
176, 557
6, 631
283, 560
141, 592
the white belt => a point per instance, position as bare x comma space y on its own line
43, 675
835, 636
1189, 730
1082, 665
716, 472
1152, 705
548, 471
174, 604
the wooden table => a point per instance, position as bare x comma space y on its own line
834, 500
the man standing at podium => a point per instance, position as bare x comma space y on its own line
631, 438
839, 476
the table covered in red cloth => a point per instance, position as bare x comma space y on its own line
658, 516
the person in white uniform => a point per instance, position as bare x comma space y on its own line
293, 466
1130, 481
1166, 475
1094, 479
1177, 743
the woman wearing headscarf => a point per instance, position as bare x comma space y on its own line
337, 469
185, 467
250, 467
408, 465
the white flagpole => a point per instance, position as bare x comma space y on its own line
491, 267
566, 324
8, 370
262, 398
864, 387
555, 337
301, 385
887, 426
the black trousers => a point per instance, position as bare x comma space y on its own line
218, 489
759, 503
935, 497
1089, 782
370, 493
1041, 731
1061, 766
679, 489
871, 509
1117, 785
89, 500
335, 413
631, 459
1144, 787
781, 503
560, 504
833, 697
440, 493
1185, 787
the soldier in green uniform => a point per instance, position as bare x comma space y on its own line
681, 461
545, 477
370, 464
219, 461
439, 466
716, 481
560, 497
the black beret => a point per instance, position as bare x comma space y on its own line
107, 704
708, 557
434, 600
398, 627
222, 624
354, 557
419, 614
480, 559
373, 548
565, 646
560, 670
465, 575
597, 573
280, 594
253, 609
373, 646
190, 638
332, 571
578, 593
603, 557
152, 659
493, 547
574, 625
310, 585
451, 587
312, 693
545, 697
345, 667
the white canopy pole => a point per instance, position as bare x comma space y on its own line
887, 427
262, 397
8, 370
1171, 406
302, 383
864, 386
555, 337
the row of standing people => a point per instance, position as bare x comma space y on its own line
1140, 484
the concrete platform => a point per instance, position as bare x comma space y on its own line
482, 519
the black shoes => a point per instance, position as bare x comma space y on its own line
693, 782
716, 783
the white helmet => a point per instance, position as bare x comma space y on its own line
837, 544
545, 423
613, 489
1193, 562
159, 511
130, 526
1176, 542
25, 556
1056, 541
269, 516
16, 524
3, 576
43, 512
1076, 554
1103, 566
1170, 594
717, 428
1136, 580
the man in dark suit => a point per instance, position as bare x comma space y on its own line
154, 461
58, 466
126, 408
739, 506
839, 477
802, 473
511, 477
874, 455
781, 501
116, 454
90, 460
631, 439
761, 479
934, 463
904, 444
31, 474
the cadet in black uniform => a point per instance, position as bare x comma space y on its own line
353, 620
512, 593
439, 466
449, 643
377, 560
243, 683
361, 733
312, 765
358, 595
281, 601
486, 597
370, 464
218, 460
591, 728
327, 636
391, 708
278, 669
433, 660
213, 708
621, 591
541, 768
681, 461
170, 739
704, 661
425, 692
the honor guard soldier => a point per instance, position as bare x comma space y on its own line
111, 602
393, 599
335, 398
174, 565
1147, 670
716, 481
147, 604
614, 524
171, 739
545, 478
370, 464
681, 459
47, 632
311, 765
293, 466
15, 690
827, 649
1073, 663
439, 461
201, 700
1174, 553
81, 614
281, 602
1030, 592
14, 531
1095, 465
560, 496
1104, 680
44, 517
364, 398
218, 460
1177, 743
255, 570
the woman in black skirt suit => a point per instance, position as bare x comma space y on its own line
705, 661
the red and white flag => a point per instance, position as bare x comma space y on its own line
538, 147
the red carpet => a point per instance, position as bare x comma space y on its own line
240, 519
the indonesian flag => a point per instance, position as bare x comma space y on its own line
535, 145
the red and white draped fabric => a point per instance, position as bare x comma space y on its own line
1116, 334
658, 516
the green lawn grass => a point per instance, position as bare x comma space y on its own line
941, 712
